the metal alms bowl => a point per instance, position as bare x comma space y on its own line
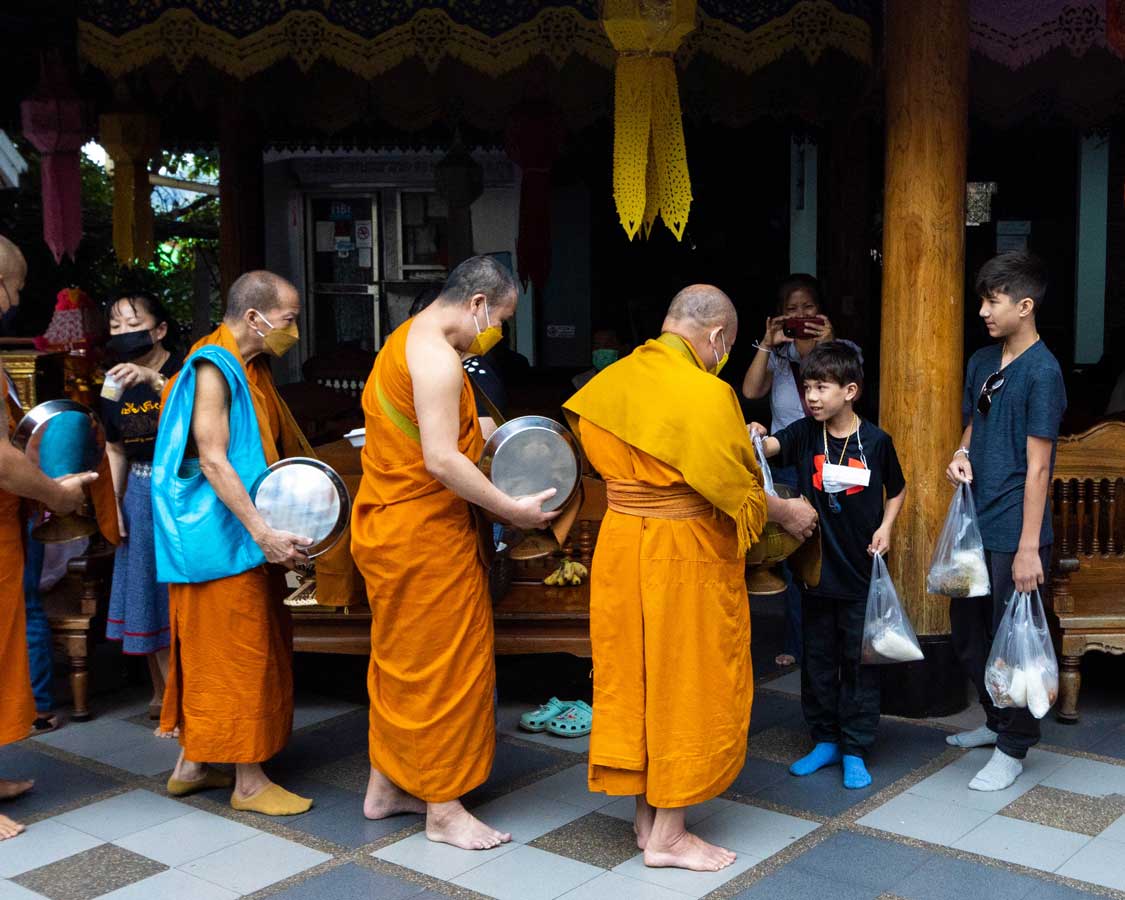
529, 454
61, 437
306, 497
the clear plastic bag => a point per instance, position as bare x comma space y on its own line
888, 636
958, 568
1022, 669
767, 474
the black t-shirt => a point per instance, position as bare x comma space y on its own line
486, 379
132, 419
845, 570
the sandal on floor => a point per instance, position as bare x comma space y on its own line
536, 720
44, 724
575, 722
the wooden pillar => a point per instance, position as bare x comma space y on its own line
927, 60
241, 202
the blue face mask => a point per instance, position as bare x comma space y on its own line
604, 357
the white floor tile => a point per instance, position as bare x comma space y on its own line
936, 821
528, 873
186, 838
694, 884
753, 833
1024, 843
419, 853
569, 786
251, 865
1099, 862
152, 756
1088, 776
124, 814
1115, 832
170, 885
43, 843
951, 784
625, 808
527, 814
9, 890
612, 886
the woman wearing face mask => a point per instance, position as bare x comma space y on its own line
130, 406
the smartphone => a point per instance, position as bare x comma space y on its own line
798, 326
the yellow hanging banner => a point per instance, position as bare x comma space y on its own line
131, 140
650, 172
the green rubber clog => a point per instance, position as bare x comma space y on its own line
536, 720
575, 722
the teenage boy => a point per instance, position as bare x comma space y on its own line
1014, 401
845, 466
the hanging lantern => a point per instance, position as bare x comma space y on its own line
54, 120
131, 140
534, 134
650, 173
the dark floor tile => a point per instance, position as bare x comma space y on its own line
1111, 745
791, 883
320, 746
323, 794
512, 763
1091, 730
858, 859
351, 882
599, 840
949, 878
1048, 891
56, 782
771, 709
822, 793
346, 825
759, 774
89, 874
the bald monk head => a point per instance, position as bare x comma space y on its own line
478, 294
704, 317
262, 313
13, 273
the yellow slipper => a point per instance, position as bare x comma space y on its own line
273, 801
212, 779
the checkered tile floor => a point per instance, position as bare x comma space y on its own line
102, 826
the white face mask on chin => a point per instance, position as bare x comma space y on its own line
840, 478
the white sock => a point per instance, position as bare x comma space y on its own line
978, 737
1000, 772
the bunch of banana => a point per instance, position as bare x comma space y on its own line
568, 572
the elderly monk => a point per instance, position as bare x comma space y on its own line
669, 614
19, 478
432, 673
230, 679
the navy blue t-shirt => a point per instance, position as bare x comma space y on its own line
847, 526
1030, 403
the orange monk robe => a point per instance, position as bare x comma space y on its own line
230, 671
432, 674
17, 707
669, 612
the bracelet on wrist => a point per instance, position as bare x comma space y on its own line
961, 450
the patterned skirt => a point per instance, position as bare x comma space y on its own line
138, 605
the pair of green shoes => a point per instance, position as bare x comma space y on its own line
565, 718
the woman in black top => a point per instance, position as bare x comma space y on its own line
138, 607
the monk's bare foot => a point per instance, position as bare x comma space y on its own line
169, 735
187, 771
9, 828
643, 821
451, 823
9, 790
385, 798
686, 851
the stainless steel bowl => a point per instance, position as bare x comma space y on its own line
61, 437
529, 454
306, 497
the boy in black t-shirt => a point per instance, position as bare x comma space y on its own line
844, 466
1014, 401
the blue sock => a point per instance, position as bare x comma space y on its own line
823, 754
855, 773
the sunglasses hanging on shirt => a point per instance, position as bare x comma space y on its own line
992, 384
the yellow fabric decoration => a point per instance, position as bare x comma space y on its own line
131, 139
661, 399
650, 173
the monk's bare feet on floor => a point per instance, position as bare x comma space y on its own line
9, 790
642, 821
451, 823
385, 798
686, 851
9, 829
174, 733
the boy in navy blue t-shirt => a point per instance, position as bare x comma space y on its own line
1014, 401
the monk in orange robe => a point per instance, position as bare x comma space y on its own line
230, 678
432, 672
19, 478
669, 613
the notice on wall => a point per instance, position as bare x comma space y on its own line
364, 257
1012, 234
563, 332
325, 237
363, 237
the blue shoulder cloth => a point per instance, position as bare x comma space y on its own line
197, 537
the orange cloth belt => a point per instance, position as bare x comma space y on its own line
634, 498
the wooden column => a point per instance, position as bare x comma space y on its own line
241, 203
927, 60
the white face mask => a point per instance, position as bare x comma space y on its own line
837, 479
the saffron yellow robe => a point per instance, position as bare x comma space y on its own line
432, 674
230, 672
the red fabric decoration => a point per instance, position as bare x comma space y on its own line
54, 122
76, 325
1115, 25
534, 135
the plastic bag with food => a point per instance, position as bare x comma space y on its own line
958, 568
1022, 669
888, 636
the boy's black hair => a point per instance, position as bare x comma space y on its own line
1016, 273
799, 281
834, 361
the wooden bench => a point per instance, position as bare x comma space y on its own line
1088, 575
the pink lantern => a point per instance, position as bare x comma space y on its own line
54, 121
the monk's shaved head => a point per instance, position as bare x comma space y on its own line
703, 305
260, 290
12, 263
